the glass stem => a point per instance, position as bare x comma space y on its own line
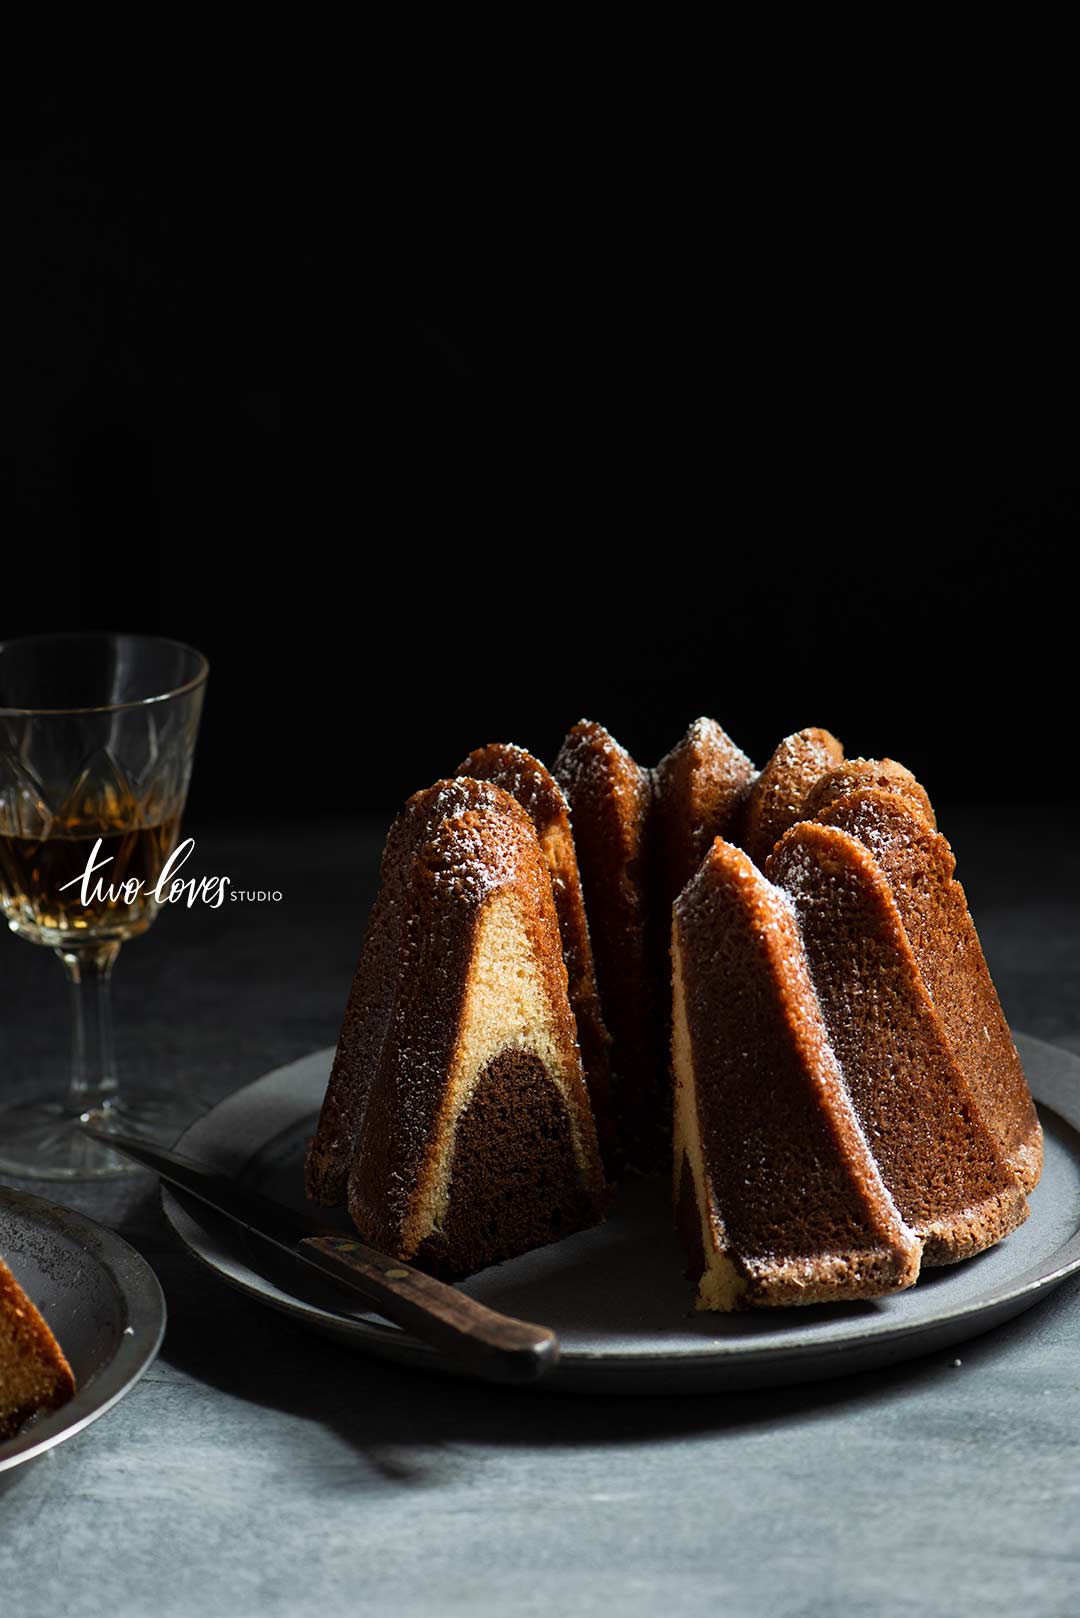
93, 1069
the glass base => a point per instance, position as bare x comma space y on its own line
40, 1140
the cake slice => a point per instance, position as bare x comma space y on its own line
610, 798
778, 797
779, 1199
919, 865
34, 1375
933, 1145
540, 795
476, 1140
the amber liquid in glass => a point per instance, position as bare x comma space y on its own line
34, 871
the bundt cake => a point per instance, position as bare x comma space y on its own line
832, 1062
457, 1118
34, 1375
610, 800
539, 794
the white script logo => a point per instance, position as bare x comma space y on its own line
211, 890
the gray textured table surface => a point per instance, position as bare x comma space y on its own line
257, 1470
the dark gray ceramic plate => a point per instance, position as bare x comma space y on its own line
101, 1300
616, 1294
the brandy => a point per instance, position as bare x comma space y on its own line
35, 873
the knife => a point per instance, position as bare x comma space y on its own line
489, 1345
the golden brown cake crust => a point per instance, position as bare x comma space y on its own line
371, 995
936, 1151
778, 797
795, 1209
540, 795
34, 1374
856, 774
610, 798
479, 863
699, 791
918, 864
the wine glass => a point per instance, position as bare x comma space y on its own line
97, 736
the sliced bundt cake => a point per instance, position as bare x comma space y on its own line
467, 1135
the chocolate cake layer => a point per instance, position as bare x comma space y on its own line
514, 1184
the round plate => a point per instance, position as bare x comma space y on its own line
616, 1294
101, 1300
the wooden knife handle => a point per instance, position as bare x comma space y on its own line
496, 1347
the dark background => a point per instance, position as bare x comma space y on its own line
465, 428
